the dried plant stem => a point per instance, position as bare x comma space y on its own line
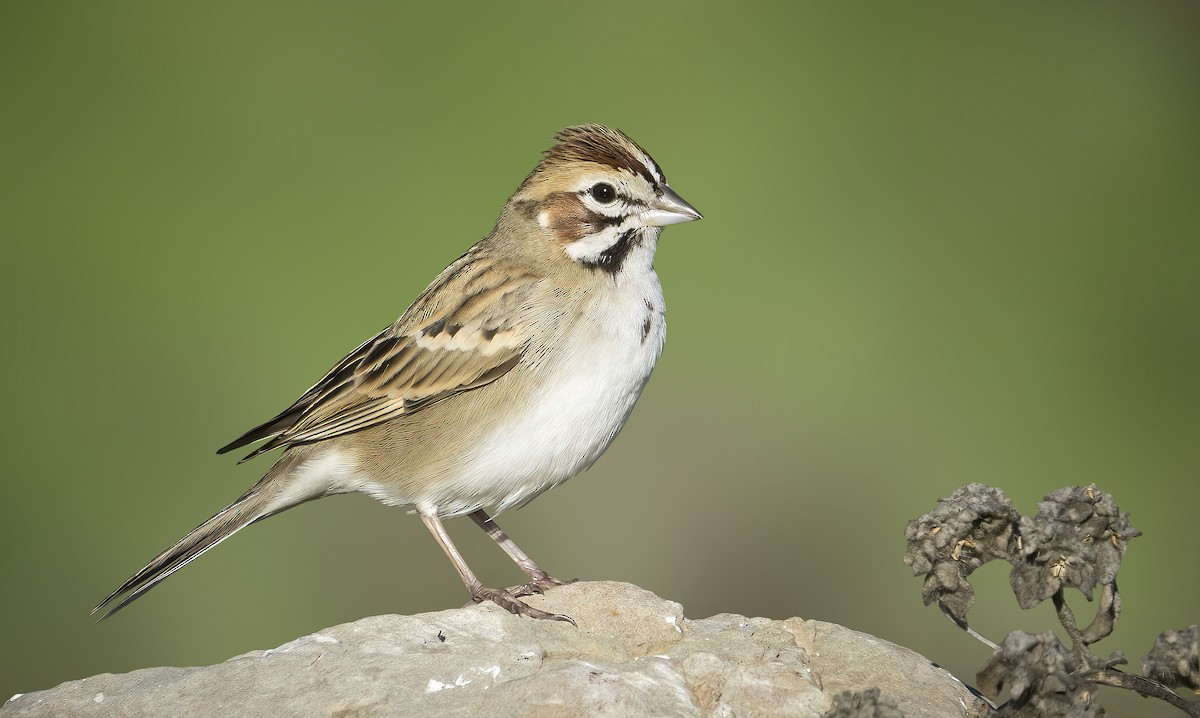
972, 632
1144, 686
1084, 659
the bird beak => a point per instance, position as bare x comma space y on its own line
670, 208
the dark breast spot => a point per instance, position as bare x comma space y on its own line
649, 320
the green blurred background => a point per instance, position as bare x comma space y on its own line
943, 242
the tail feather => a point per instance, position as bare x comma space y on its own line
249, 508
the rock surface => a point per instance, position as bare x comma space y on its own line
633, 654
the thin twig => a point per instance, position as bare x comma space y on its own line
1084, 659
971, 631
1144, 686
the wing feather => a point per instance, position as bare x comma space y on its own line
434, 351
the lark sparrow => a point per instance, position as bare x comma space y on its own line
512, 372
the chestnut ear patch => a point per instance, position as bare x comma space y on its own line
565, 214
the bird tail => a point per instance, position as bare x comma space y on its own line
259, 502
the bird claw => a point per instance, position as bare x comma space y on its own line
509, 601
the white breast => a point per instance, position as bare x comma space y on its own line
589, 384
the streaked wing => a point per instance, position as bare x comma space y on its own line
463, 332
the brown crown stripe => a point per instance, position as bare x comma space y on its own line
596, 143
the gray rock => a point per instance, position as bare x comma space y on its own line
633, 654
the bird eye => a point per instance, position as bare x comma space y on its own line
604, 193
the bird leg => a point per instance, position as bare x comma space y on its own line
541, 580
480, 593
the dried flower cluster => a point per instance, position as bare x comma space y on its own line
1076, 540
1030, 673
1175, 658
974, 525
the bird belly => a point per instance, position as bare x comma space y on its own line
586, 390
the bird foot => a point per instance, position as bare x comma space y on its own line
509, 601
539, 585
